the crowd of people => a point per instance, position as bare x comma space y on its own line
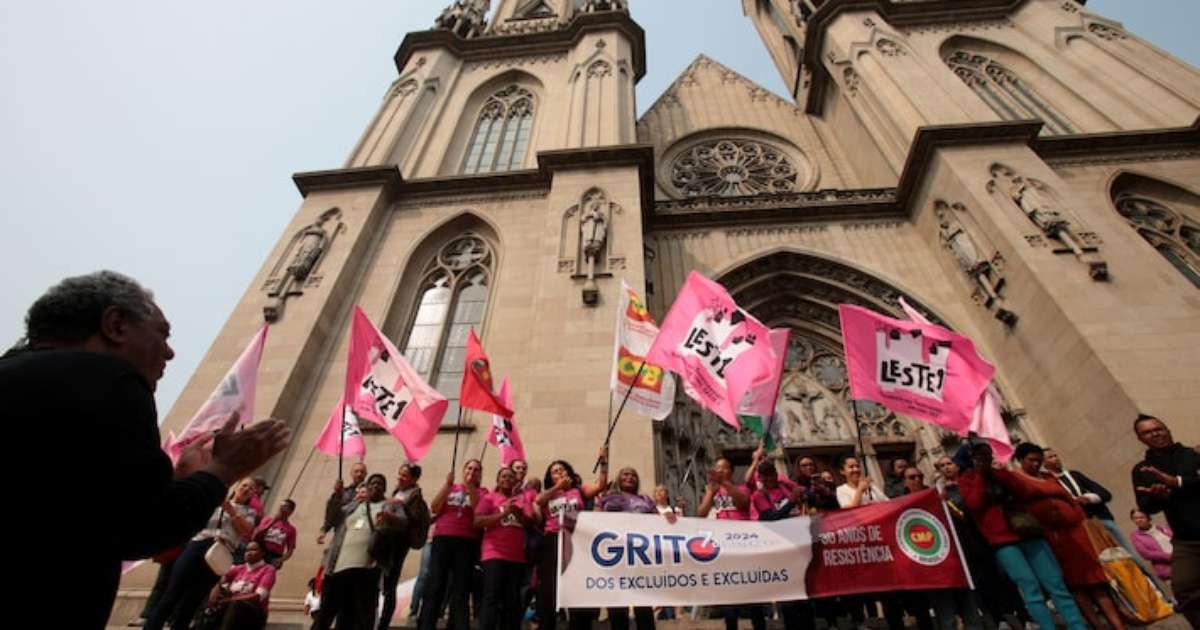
1028, 530
96, 346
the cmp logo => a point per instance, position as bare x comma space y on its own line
922, 537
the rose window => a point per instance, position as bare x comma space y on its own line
731, 168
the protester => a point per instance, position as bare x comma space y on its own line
503, 515
1094, 499
662, 503
242, 599
94, 349
1168, 481
559, 504
996, 593
1023, 553
277, 536
820, 495
192, 577
859, 489
260, 490
948, 603
412, 521
1153, 542
731, 502
894, 485
312, 599
776, 500
345, 496
350, 592
455, 550
625, 498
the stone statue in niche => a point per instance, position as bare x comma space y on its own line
1035, 201
981, 268
294, 269
586, 243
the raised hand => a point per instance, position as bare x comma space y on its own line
239, 453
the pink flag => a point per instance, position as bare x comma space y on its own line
342, 433
986, 419
914, 369
235, 393
503, 434
719, 350
382, 387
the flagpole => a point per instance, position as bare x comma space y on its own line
301, 473
624, 400
862, 450
341, 441
457, 432
482, 452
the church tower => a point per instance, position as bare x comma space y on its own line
1025, 172
498, 187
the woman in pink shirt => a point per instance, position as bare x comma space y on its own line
503, 516
559, 504
455, 549
732, 502
242, 598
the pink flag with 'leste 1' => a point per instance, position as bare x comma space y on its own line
342, 433
503, 434
382, 387
914, 369
234, 394
719, 350
986, 419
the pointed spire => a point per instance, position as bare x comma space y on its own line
467, 18
595, 6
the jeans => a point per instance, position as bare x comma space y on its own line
187, 589
391, 578
422, 579
1031, 565
501, 607
349, 597
453, 567
160, 586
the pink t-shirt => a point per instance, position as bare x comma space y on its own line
566, 505
506, 539
243, 579
276, 536
456, 517
727, 509
765, 499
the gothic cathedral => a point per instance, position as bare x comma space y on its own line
1025, 172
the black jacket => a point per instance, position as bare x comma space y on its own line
1086, 485
1182, 508
97, 487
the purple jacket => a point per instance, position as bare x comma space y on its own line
1148, 548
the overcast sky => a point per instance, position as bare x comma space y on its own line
158, 137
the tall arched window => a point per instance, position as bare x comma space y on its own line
1005, 92
1173, 233
501, 133
453, 296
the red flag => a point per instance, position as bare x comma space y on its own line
382, 387
477, 390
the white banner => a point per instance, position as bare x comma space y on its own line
618, 559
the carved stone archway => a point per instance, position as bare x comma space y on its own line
801, 292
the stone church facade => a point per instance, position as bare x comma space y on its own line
1026, 172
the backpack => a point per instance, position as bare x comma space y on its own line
418, 520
